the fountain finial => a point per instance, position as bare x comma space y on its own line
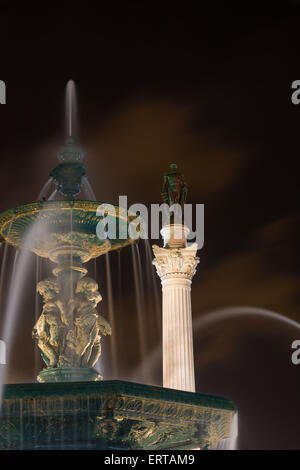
70, 153
69, 172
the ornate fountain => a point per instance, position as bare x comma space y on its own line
72, 407
65, 231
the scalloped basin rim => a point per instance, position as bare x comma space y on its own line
36, 206
39, 390
15, 222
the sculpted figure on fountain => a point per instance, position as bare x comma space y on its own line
69, 331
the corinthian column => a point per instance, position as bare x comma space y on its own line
176, 265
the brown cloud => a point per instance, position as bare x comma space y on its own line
135, 146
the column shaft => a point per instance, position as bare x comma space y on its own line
178, 355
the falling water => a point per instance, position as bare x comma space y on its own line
16, 287
230, 443
234, 431
87, 190
141, 283
139, 305
52, 195
15, 263
111, 316
147, 306
150, 364
3, 299
153, 284
16, 290
46, 190
3, 269
150, 301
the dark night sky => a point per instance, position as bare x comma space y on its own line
211, 90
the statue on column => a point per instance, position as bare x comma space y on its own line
174, 189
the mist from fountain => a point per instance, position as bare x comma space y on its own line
4, 266
16, 291
49, 191
230, 443
206, 320
236, 311
111, 316
152, 285
87, 190
140, 308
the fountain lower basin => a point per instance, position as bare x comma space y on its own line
111, 415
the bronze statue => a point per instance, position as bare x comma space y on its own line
174, 189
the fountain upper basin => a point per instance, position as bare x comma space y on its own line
58, 226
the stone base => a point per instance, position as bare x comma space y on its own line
175, 235
69, 375
111, 415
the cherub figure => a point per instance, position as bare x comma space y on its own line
82, 342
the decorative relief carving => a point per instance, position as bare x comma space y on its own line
127, 421
176, 262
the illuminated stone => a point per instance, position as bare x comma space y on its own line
176, 268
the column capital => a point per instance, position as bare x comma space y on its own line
173, 263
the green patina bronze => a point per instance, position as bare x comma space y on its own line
174, 189
69, 173
111, 415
